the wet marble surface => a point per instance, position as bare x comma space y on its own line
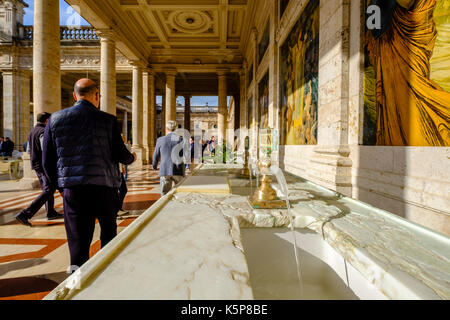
192, 249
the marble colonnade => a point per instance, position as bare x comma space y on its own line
46, 70
223, 112
107, 71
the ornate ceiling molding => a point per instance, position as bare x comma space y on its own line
190, 21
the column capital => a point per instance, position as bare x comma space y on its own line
245, 64
171, 72
149, 70
6, 72
106, 34
222, 72
137, 64
26, 73
254, 33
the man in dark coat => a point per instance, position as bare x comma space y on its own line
2, 140
35, 139
82, 150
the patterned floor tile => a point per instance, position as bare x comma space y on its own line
30, 273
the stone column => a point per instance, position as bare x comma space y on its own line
254, 148
243, 125
171, 102
149, 115
223, 112
163, 115
273, 78
107, 71
46, 70
125, 125
137, 113
16, 106
187, 112
330, 164
46, 57
10, 104
25, 95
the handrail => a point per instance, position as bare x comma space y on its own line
84, 33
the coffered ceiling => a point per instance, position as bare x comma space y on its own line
174, 31
188, 24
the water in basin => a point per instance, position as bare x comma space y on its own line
272, 266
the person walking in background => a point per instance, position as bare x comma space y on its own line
192, 151
82, 150
35, 139
212, 145
128, 145
2, 140
123, 190
203, 146
171, 170
8, 147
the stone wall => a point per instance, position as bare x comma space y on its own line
412, 182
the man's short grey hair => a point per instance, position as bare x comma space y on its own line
171, 125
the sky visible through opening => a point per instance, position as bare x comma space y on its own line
68, 17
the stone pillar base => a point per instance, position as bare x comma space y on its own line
29, 180
331, 167
147, 154
140, 153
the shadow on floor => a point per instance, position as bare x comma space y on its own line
30, 288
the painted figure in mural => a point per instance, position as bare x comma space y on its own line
412, 110
264, 102
299, 76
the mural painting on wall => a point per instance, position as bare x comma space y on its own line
264, 43
250, 119
407, 75
250, 75
299, 78
263, 89
283, 6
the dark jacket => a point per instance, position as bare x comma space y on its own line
8, 147
165, 146
82, 146
35, 139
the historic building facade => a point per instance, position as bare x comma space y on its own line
343, 114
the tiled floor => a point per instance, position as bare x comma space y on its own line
33, 261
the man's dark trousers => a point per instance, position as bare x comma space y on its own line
123, 190
82, 206
46, 197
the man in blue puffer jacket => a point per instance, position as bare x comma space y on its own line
82, 149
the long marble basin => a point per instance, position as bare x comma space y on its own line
325, 275
212, 246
